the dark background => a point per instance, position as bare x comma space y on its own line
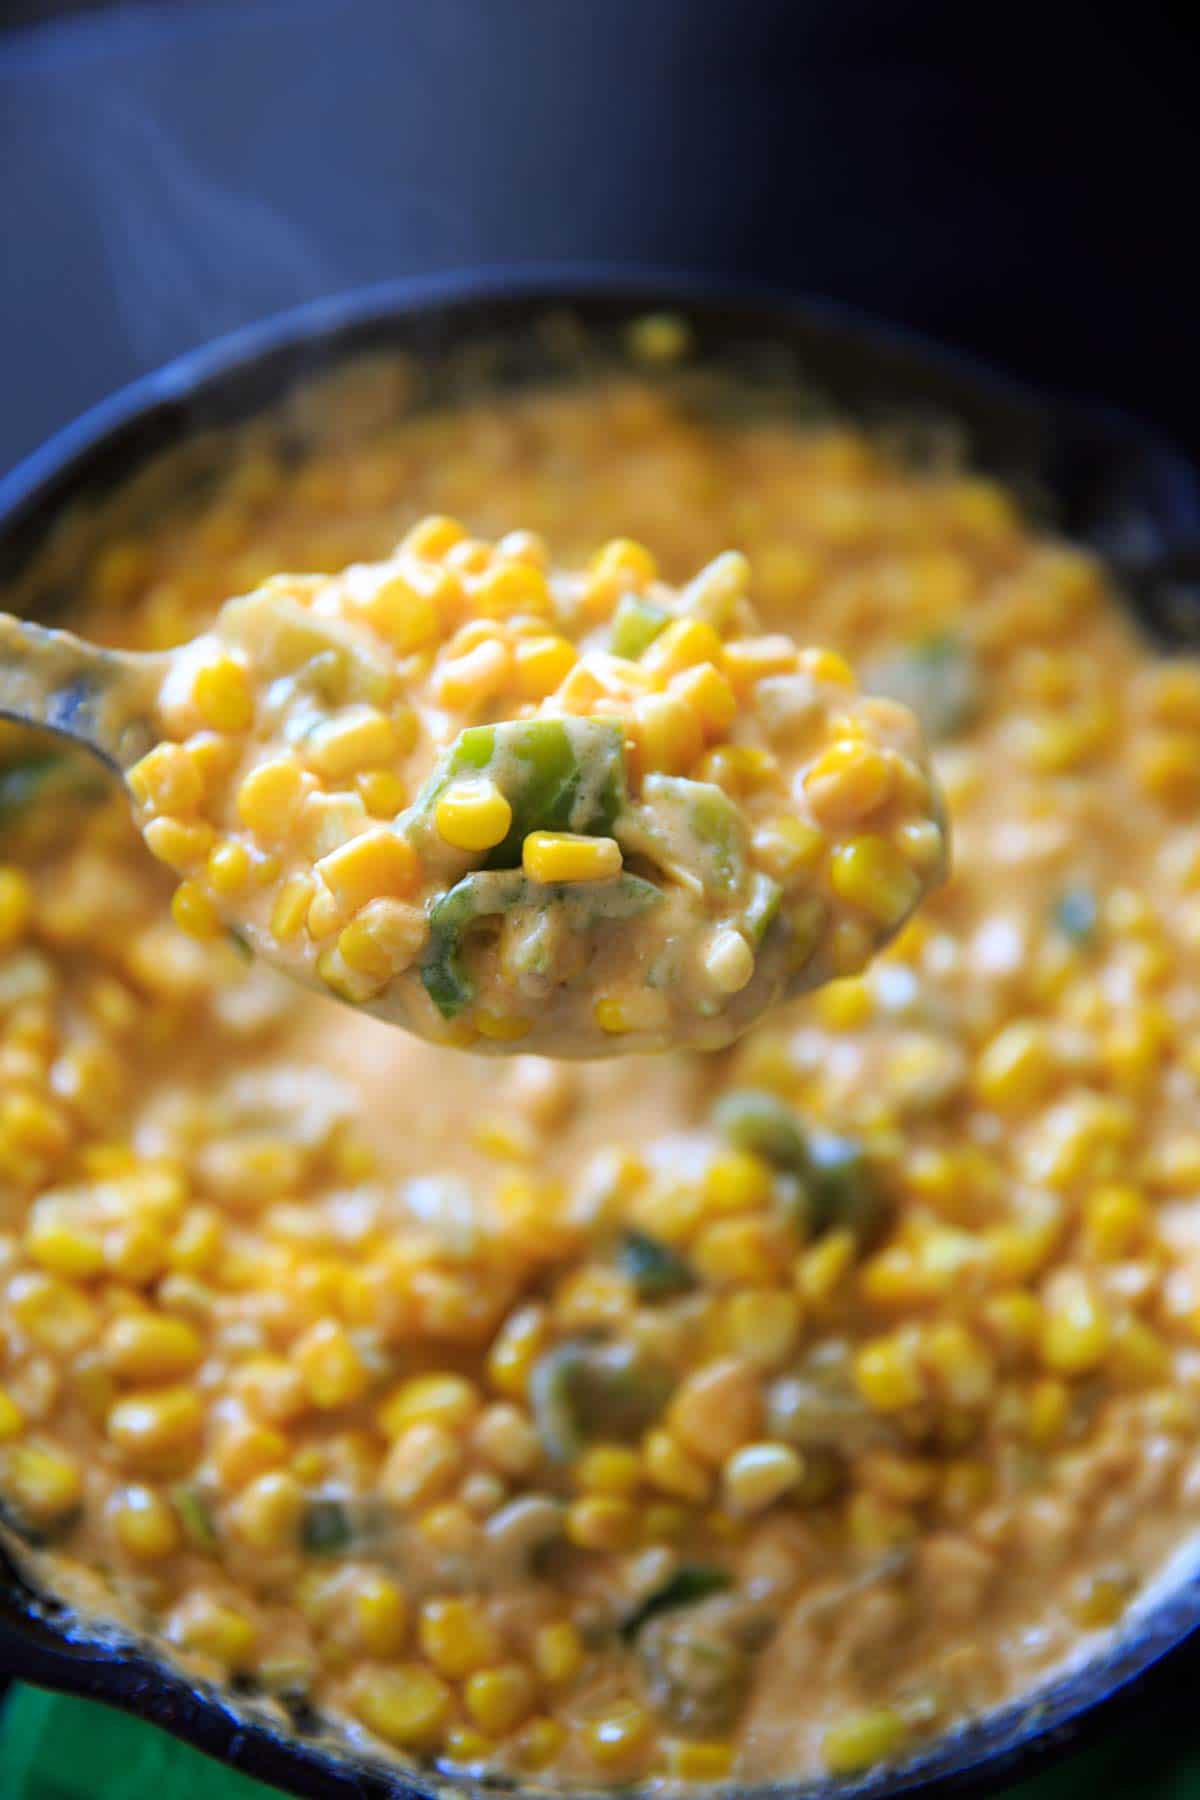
1018, 180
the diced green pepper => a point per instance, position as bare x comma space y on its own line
583, 1389
939, 678
636, 623
762, 908
690, 828
657, 1271
485, 894
688, 1584
326, 1529
842, 1188
556, 774
1077, 915
195, 1515
756, 1120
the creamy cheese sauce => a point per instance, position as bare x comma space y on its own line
500, 805
680, 1418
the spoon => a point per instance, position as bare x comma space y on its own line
104, 700
508, 807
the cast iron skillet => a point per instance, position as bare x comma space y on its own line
1105, 479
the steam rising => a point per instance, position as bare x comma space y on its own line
187, 258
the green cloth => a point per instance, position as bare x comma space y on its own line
54, 1748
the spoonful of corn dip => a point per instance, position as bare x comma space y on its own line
510, 807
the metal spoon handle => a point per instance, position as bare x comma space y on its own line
102, 699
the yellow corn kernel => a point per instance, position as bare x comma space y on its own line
381, 792
56, 1315
1138, 1356
847, 783
272, 1389
407, 1706
748, 660
716, 1409
558, 1653
861, 1740
541, 664
673, 1469
626, 558
383, 938
667, 733
550, 856
44, 1485
1116, 1219
145, 1426
1047, 1411
181, 846
844, 1005
379, 864
602, 1522
620, 1738
380, 1611
1013, 1321
246, 1450
267, 1513
166, 781
458, 1638
1076, 1333
431, 537
500, 1699
1016, 1067
737, 1181
16, 907
821, 1270
525, 547
612, 1469
222, 695
423, 1463
1101, 1601
193, 911
361, 737
787, 846
228, 868
12, 1419
728, 960
539, 1742
757, 1475
291, 907
743, 1252
961, 1365
151, 1347
403, 612
741, 769
479, 674
708, 693
208, 1627
665, 1523
888, 1375
442, 1399
144, 1524
1167, 769
690, 1759
684, 644
269, 799
827, 665
330, 1366
515, 1349
646, 1010
760, 1324
870, 873
473, 815
508, 588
